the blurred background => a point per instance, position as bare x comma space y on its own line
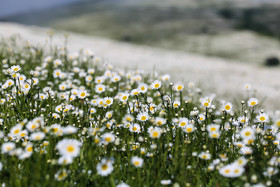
243, 30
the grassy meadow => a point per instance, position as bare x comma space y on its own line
72, 119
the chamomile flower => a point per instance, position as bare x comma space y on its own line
204, 156
183, 122
262, 117
156, 84
99, 88
176, 104
243, 119
104, 168
253, 102
15, 68
227, 107
137, 161
206, 102
108, 138
143, 88
135, 128
247, 133
165, 182
143, 116
82, 94
69, 147
37, 136
65, 160
178, 87
213, 128
155, 132
189, 128
8, 147
160, 121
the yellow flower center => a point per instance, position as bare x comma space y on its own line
189, 129
155, 134
29, 149
180, 87
134, 128
206, 104
136, 163
70, 148
227, 171
247, 133
227, 107
212, 129
156, 85
253, 103
183, 124
17, 131
143, 118
104, 166
108, 139
262, 118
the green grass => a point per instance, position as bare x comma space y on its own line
187, 154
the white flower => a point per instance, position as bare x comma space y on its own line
69, 129
137, 161
204, 156
64, 160
165, 182
253, 102
104, 168
178, 87
262, 117
69, 147
247, 133
108, 138
37, 136
189, 128
122, 185
155, 132
82, 94
8, 147
143, 116
135, 128
156, 84
206, 102
227, 107
99, 88
15, 68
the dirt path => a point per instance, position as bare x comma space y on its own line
214, 74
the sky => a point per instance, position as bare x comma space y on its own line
11, 7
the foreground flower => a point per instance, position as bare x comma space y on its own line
69, 147
232, 171
262, 117
165, 182
156, 84
204, 156
143, 116
137, 161
105, 167
253, 102
155, 132
108, 138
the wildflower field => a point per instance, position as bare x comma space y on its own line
72, 119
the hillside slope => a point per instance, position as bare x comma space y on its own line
213, 74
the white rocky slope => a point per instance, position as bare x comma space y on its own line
223, 77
